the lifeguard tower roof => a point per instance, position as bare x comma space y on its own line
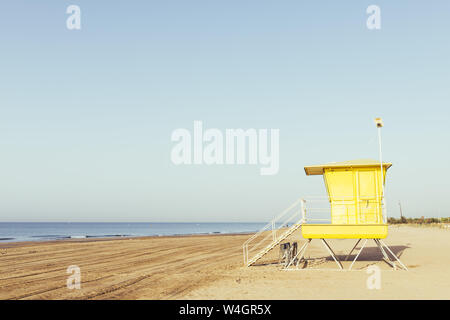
360, 163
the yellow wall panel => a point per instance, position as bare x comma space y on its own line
354, 195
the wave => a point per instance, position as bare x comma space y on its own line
50, 236
60, 237
108, 235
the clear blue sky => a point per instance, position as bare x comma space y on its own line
86, 116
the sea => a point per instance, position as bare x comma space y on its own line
44, 231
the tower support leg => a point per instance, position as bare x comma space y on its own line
359, 252
332, 254
385, 256
351, 251
300, 252
390, 251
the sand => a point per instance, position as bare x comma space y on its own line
211, 267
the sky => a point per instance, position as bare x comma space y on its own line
86, 116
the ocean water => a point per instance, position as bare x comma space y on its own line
41, 231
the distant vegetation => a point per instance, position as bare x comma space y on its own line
421, 220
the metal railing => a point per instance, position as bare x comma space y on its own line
272, 231
345, 210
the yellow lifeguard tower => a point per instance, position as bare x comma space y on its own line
356, 198
355, 193
354, 209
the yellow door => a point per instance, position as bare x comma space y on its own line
341, 191
369, 191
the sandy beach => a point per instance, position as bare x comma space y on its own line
211, 267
